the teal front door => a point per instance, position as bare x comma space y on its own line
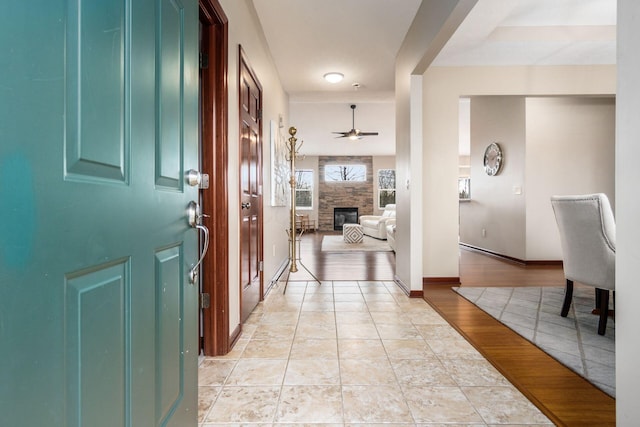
98, 127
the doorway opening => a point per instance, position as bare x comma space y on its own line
214, 286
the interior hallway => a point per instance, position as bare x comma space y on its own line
358, 351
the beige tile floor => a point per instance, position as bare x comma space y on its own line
354, 354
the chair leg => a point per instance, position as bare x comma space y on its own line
567, 298
604, 310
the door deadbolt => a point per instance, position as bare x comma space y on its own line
193, 177
197, 179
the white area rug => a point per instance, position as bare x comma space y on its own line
534, 313
369, 244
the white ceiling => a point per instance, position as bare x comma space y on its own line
534, 32
360, 38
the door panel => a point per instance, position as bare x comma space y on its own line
96, 145
250, 186
96, 328
169, 376
169, 139
98, 320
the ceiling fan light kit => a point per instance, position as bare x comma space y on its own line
354, 134
334, 77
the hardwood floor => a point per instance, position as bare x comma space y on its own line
481, 269
342, 265
565, 397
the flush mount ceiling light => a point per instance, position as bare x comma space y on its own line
333, 77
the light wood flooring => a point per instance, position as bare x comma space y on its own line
563, 396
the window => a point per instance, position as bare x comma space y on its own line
304, 188
343, 173
464, 188
386, 187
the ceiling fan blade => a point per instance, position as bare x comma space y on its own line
354, 133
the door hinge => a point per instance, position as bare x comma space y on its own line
261, 266
259, 114
205, 301
204, 60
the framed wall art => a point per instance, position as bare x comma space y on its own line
279, 167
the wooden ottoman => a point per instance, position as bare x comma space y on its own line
352, 233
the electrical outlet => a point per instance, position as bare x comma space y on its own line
484, 232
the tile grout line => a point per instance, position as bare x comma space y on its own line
395, 375
286, 366
335, 322
383, 321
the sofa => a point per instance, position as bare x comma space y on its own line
376, 225
391, 233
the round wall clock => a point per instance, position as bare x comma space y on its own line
492, 159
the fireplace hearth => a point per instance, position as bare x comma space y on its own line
343, 216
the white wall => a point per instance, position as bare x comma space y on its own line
443, 88
245, 30
570, 150
316, 122
552, 145
494, 207
627, 214
433, 25
404, 205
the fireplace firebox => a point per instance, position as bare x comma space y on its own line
343, 216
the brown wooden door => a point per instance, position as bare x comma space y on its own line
250, 188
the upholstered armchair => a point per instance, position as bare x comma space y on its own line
588, 238
391, 233
376, 225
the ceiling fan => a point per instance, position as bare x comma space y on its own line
354, 133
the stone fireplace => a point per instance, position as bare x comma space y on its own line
343, 194
343, 216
